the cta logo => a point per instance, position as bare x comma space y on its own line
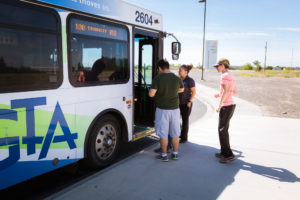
31, 139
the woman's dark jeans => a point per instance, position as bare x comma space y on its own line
185, 112
225, 115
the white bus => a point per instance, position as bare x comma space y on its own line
74, 78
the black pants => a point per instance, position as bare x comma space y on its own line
225, 115
185, 112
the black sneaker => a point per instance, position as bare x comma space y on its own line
174, 156
227, 160
158, 150
163, 158
219, 155
182, 141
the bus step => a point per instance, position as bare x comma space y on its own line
142, 131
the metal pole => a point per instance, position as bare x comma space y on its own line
292, 58
265, 55
203, 39
208, 53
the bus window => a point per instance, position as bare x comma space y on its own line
98, 53
147, 65
29, 52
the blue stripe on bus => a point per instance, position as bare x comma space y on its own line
22, 171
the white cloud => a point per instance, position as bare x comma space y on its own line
289, 29
189, 35
246, 34
222, 35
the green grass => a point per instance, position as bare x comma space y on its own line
272, 73
247, 75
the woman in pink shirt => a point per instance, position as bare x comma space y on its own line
226, 109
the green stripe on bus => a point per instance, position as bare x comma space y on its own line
42, 122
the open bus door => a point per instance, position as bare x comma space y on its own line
146, 56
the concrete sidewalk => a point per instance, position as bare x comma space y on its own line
268, 164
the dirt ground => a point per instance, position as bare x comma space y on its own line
277, 97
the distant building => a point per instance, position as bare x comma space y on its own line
276, 68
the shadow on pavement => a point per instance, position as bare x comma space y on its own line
196, 175
199, 175
279, 174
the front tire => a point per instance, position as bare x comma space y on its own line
103, 142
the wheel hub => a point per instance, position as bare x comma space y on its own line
109, 141
105, 143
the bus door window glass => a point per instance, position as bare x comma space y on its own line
147, 63
136, 60
28, 56
99, 54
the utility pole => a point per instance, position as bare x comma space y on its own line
203, 1
292, 58
266, 47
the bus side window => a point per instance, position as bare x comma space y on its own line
97, 56
29, 49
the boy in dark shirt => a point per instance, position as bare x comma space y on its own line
165, 89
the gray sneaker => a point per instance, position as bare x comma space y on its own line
163, 158
219, 155
227, 160
174, 156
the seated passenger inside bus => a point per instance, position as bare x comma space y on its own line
92, 75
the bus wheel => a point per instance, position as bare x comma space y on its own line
104, 142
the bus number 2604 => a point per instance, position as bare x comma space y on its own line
143, 18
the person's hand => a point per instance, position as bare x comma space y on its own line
81, 77
189, 104
218, 109
217, 95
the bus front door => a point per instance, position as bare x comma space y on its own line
144, 72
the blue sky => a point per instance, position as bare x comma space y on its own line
242, 28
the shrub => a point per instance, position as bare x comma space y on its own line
269, 68
247, 67
258, 68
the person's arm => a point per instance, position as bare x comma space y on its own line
234, 90
153, 88
220, 93
223, 97
81, 77
193, 90
180, 90
152, 92
181, 86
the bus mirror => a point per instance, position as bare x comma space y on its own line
176, 48
175, 56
